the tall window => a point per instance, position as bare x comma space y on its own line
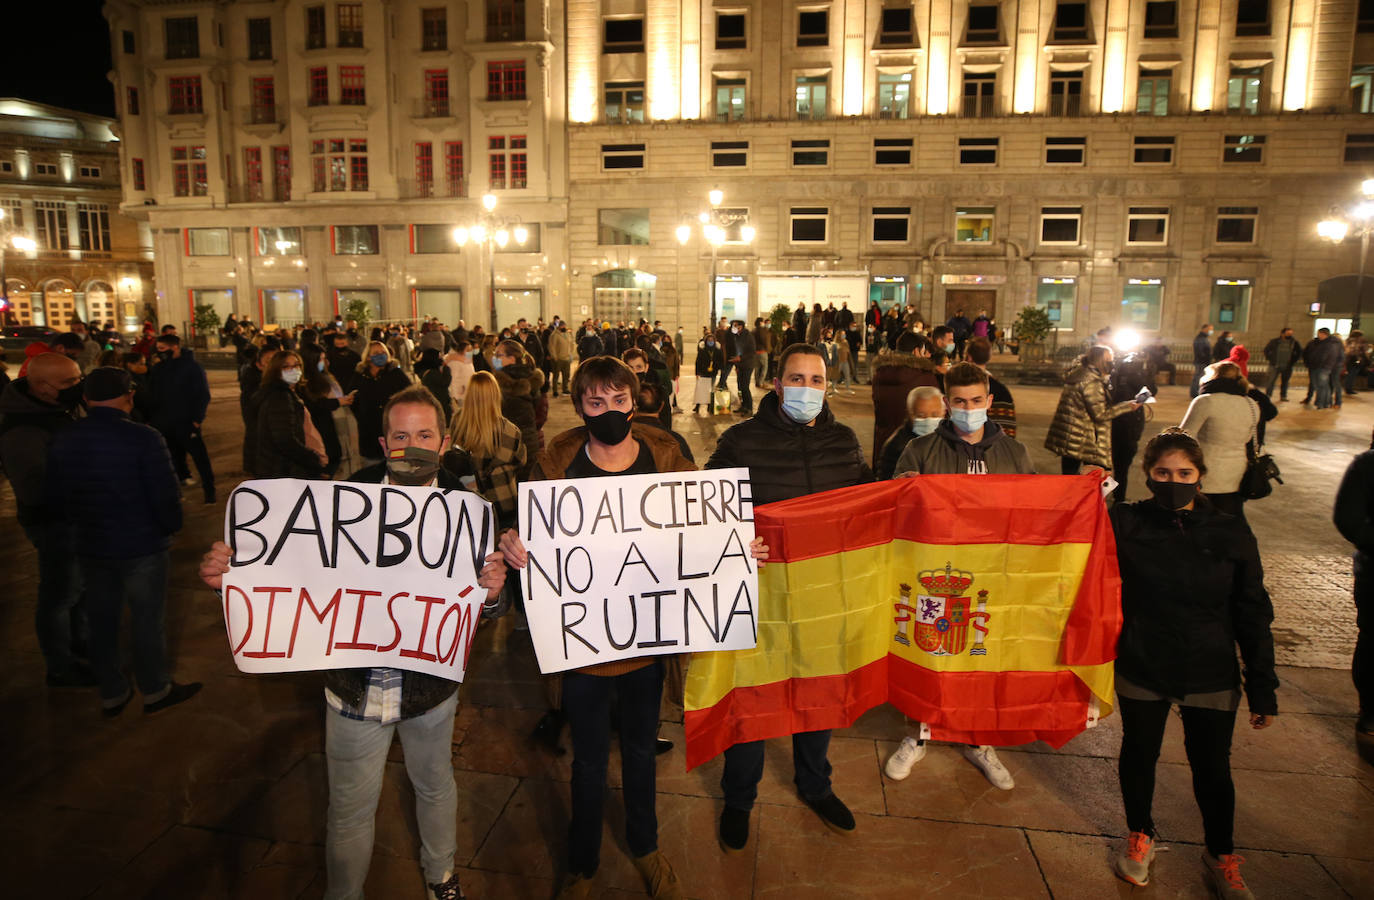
506, 80
281, 173
1066, 93
252, 172
1152, 92
810, 100
894, 95
434, 28
314, 27
131, 105
1252, 17
730, 31
453, 168
424, 169
264, 100
894, 29
624, 101
1243, 90
319, 87
352, 86
339, 164
813, 28
128, 37
1161, 18
183, 37
93, 220
730, 99
190, 176
623, 35
982, 25
350, 18
505, 20
50, 217
507, 163
183, 95
260, 38
140, 183
980, 93
436, 92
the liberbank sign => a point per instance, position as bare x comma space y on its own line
825, 288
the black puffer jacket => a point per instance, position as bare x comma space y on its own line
787, 460
1192, 589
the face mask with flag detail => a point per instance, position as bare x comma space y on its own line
412, 465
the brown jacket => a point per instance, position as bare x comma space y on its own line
894, 375
1082, 425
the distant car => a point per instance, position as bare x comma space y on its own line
17, 337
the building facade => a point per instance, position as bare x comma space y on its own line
295, 157
59, 188
1143, 163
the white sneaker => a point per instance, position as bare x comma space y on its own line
904, 757
985, 758
1134, 864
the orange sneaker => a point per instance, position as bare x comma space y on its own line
1134, 865
1226, 877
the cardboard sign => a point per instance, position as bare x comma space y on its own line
337, 575
638, 565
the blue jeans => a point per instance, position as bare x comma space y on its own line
760, 368
59, 616
744, 769
355, 753
1336, 386
1321, 381
587, 706
1275, 374
142, 583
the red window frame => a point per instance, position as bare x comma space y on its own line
506, 80
131, 104
264, 99
496, 163
436, 91
139, 183
252, 172
453, 167
281, 172
424, 169
184, 95
352, 86
519, 163
319, 86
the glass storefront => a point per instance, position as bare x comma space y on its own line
1056, 297
1141, 302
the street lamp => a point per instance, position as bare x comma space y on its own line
491, 232
714, 222
1360, 219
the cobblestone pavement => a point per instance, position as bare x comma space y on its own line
225, 795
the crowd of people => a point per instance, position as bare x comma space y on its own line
463, 409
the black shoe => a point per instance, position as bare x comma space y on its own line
662, 746
76, 676
1365, 723
209, 498
833, 813
696, 410
734, 829
178, 694
547, 732
111, 712
448, 889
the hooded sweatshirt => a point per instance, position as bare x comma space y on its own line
945, 452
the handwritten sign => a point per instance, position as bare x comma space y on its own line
638, 565
336, 575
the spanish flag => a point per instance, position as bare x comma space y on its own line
987, 607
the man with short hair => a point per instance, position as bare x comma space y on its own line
925, 406
114, 478
965, 443
793, 446
743, 362
1325, 356
1002, 412
1283, 353
365, 708
34, 409
181, 397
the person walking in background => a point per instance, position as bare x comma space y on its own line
114, 477
1202, 356
962, 330
1283, 353
560, 357
1223, 420
181, 398
1182, 560
1354, 518
1080, 432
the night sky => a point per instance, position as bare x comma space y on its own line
58, 53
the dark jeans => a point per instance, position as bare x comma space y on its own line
587, 706
1280, 377
181, 440
742, 375
744, 769
1069, 465
60, 615
142, 583
1196, 383
1233, 504
1207, 741
1362, 664
1126, 432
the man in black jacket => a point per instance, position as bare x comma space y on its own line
366, 707
1202, 356
1283, 352
181, 397
1354, 516
742, 359
114, 478
793, 446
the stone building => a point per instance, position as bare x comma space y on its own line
1143, 163
59, 188
293, 157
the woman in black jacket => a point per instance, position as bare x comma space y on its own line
377, 379
288, 444
1192, 590
322, 397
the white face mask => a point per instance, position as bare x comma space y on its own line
291, 376
923, 427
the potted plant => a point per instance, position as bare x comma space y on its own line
779, 317
1031, 327
205, 322
359, 311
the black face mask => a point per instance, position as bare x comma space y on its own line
69, 397
164, 355
413, 466
1173, 494
611, 427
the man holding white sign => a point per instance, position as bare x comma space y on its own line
607, 448
368, 705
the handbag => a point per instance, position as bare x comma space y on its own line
1260, 468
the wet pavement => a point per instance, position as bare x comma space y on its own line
225, 795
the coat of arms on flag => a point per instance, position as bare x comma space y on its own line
942, 618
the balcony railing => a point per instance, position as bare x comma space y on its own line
440, 187
433, 108
263, 114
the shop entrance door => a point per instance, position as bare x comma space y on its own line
970, 302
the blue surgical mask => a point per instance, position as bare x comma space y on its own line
498, 362
378, 359
949, 348
320, 365
968, 420
802, 404
923, 427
